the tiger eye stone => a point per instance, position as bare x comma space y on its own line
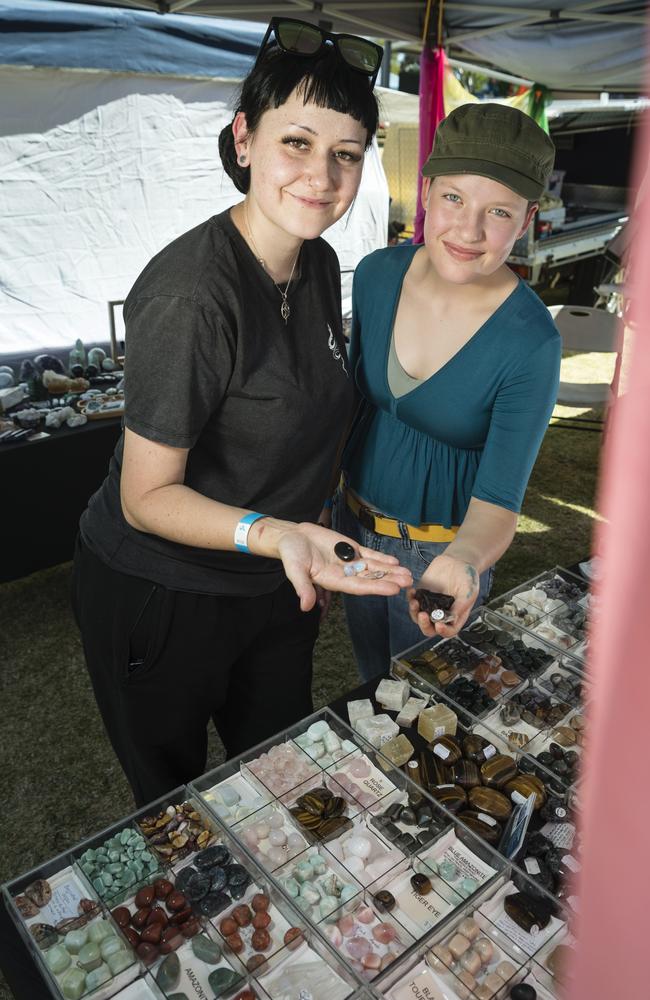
384, 900
466, 774
499, 769
446, 749
479, 823
516, 740
531, 913
452, 797
490, 801
493, 688
526, 785
333, 827
421, 883
565, 736
433, 771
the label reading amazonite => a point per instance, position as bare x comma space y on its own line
467, 863
420, 987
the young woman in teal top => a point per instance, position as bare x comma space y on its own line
457, 365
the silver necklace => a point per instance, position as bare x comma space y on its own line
285, 310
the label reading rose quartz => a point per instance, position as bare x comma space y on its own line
419, 987
570, 862
441, 751
532, 866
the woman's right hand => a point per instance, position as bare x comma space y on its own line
309, 560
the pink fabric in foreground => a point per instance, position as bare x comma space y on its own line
613, 925
432, 111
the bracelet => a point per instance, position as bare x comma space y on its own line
327, 504
242, 529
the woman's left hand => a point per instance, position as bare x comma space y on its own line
446, 575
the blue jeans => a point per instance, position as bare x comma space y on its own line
381, 627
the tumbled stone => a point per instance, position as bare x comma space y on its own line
527, 785
483, 825
498, 770
206, 949
490, 801
169, 973
384, 900
39, 892
531, 913
421, 883
222, 981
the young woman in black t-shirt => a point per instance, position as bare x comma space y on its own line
200, 569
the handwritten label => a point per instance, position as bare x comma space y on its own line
63, 904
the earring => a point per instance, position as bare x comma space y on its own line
242, 161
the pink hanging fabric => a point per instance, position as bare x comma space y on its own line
612, 952
432, 111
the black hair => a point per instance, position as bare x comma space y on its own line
325, 80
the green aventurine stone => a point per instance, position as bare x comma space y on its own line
98, 885
169, 973
115, 868
89, 957
114, 856
125, 836
206, 949
222, 981
98, 976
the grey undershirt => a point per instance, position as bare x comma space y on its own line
399, 381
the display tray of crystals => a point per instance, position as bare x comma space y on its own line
555, 605
275, 874
479, 951
478, 669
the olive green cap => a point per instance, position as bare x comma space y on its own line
496, 141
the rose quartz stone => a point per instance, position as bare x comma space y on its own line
358, 946
365, 915
458, 945
346, 925
484, 949
471, 962
334, 935
371, 961
384, 933
469, 929
359, 768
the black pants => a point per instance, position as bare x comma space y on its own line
163, 663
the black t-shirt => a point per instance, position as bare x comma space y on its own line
262, 406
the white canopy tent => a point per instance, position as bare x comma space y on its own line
99, 170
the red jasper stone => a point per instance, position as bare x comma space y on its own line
242, 915
171, 944
121, 916
162, 888
235, 943
256, 962
132, 936
293, 937
228, 926
147, 952
140, 917
261, 940
260, 902
261, 920
176, 901
144, 896
152, 933
158, 916
190, 928
181, 916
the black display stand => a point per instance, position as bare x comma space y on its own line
46, 485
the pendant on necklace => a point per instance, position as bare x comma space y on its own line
285, 311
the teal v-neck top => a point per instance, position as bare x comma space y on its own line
473, 429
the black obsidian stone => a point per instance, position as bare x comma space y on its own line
344, 551
426, 837
183, 877
198, 886
237, 891
92, 371
77, 371
236, 874
211, 857
213, 903
392, 832
408, 816
523, 991
406, 843
218, 879
424, 816
393, 811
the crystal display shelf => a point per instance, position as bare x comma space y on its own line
352, 897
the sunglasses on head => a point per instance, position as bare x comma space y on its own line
300, 38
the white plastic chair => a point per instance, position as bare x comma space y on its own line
589, 330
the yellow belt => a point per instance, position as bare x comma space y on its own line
390, 526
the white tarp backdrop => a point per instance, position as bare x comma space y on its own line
98, 171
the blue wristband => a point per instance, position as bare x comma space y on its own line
242, 529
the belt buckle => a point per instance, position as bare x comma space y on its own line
366, 518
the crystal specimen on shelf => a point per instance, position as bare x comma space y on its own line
361, 709
410, 711
377, 730
392, 695
438, 720
398, 750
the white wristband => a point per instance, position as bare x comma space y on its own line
242, 529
